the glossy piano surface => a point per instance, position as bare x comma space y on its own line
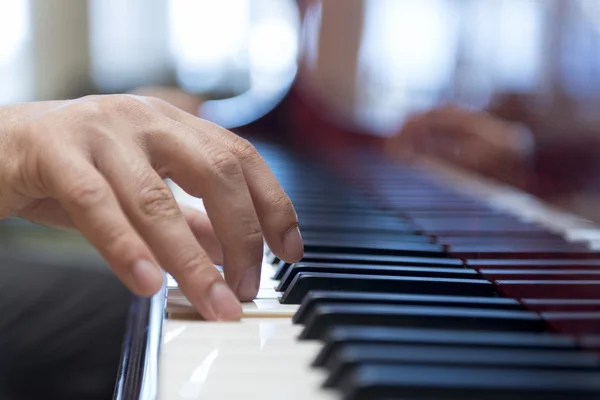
459, 272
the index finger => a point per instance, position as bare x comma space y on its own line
278, 219
150, 206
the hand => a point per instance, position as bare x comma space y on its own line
98, 164
472, 139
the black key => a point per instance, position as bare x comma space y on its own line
343, 224
362, 234
476, 221
338, 211
342, 335
272, 259
381, 381
368, 242
505, 250
307, 281
456, 230
561, 305
325, 316
348, 357
535, 264
414, 215
314, 298
374, 247
379, 259
590, 342
488, 240
350, 220
369, 269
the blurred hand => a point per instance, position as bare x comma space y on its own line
472, 139
98, 163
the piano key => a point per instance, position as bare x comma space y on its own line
573, 323
486, 240
363, 234
342, 224
381, 381
564, 305
497, 223
307, 281
314, 298
369, 269
336, 210
370, 245
353, 334
348, 357
334, 245
442, 228
496, 251
430, 214
478, 264
550, 289
271, 258
379, 259
590, 342
466, 231
539, 274
325, 316
346, 220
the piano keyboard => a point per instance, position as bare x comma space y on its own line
409, 289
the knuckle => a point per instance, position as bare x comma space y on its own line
86, 193
223, 163
190, 266
115, 240
245, 151
253, 237
279, 202
128, 105
156, 201
88, 112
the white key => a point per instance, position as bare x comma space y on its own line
207, 360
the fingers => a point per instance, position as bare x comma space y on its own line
94, 210
220, 181
274, 209
205, 234
148, 203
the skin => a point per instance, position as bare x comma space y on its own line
472, 139
97, 164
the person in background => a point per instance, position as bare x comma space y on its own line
508, 142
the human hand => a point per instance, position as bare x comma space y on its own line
97, 164
471, 139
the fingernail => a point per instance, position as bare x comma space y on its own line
249, 284
224, 303
147, 275
292, 244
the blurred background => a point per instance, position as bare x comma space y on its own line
376, 60
361, 66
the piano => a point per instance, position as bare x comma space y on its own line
409, 289
419, 281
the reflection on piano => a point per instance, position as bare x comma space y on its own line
417, 283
